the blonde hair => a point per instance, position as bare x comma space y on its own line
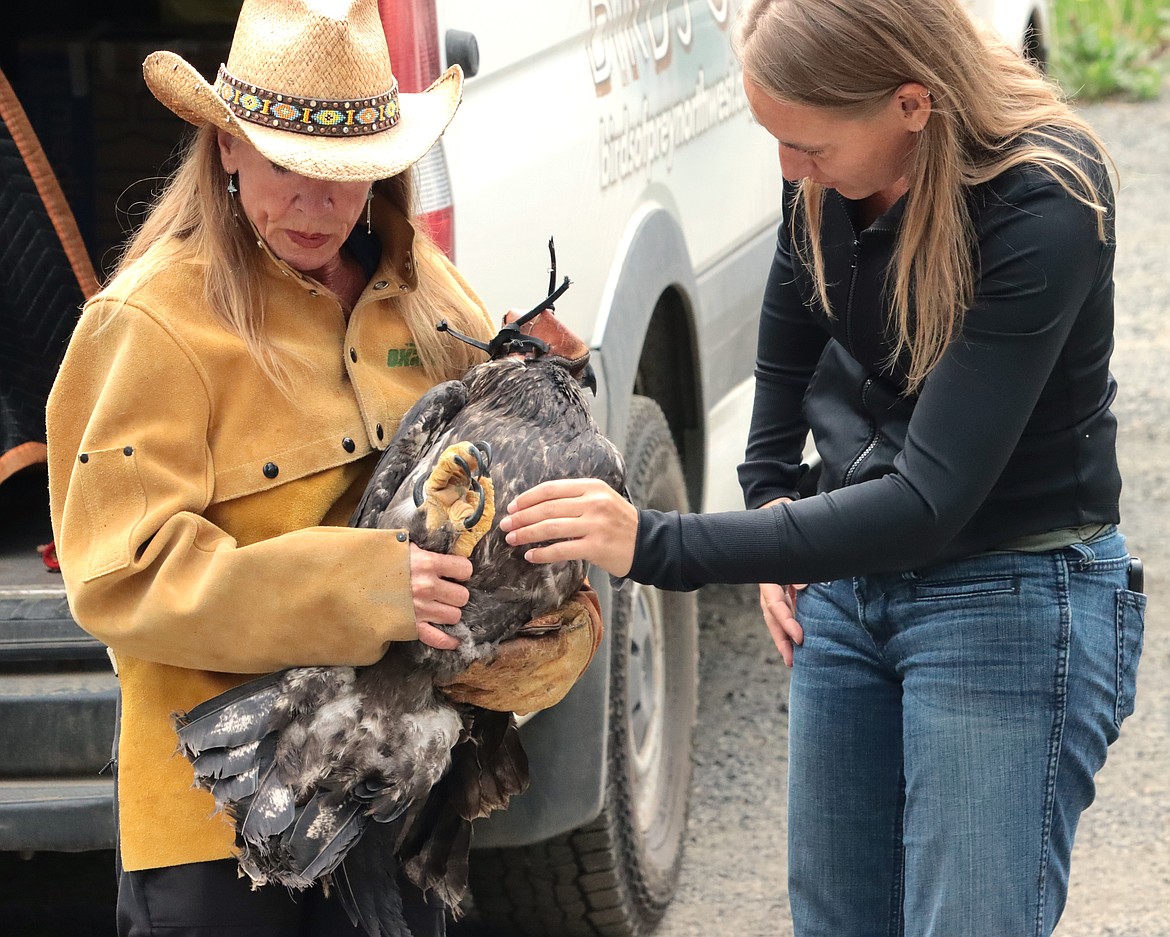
990, 111
194, 217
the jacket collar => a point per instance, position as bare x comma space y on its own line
888, 221
386, 254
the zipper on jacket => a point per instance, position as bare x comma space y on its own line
852, 287
875, 436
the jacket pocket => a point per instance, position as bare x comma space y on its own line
113, 502
1131, 627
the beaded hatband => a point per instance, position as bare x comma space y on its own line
307, 115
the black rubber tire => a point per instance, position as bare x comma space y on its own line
615, 876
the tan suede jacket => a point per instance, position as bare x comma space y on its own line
199, 512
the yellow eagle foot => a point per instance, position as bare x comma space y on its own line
458, 495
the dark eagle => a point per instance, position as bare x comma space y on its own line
303, 760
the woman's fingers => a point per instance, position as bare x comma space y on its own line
778, 604
546, 491
434, 566
438, 597
568, 507
436, 612
583, 518
436, 638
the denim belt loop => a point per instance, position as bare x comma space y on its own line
1087, 556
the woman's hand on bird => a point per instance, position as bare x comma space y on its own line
585, 519
439, 596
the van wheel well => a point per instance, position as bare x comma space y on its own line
668, 374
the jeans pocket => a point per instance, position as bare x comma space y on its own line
1131, 626
967, 588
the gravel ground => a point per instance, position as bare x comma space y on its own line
734, 872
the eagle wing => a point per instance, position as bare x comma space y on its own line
421, 427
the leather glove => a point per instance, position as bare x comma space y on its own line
536, 668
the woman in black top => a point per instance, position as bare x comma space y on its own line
939, 313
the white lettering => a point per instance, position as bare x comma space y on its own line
638, 141
598, 60
685, 32
637, 32
659, 47
625, 33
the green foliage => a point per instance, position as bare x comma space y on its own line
1104, 48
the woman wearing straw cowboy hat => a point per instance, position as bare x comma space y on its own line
220, 408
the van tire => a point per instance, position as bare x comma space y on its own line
615, 876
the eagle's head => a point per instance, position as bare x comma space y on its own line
537, 334
547, 335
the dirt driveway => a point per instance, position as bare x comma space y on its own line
733, 882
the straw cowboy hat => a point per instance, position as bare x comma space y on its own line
308, 83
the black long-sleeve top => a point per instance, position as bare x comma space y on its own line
1010, 434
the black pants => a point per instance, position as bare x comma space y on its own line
209, 899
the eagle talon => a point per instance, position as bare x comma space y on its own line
478, 512
462, 463
484, 448
457, 497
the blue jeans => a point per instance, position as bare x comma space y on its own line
945, 726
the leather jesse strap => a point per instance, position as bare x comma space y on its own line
44, 258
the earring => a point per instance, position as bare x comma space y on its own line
369, 201
232, 190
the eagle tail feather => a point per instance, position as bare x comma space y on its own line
487, 769
271, 810
375, 894
440, 865
327, 827
499, 769
234, 717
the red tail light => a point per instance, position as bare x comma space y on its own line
440, 225
412, 34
